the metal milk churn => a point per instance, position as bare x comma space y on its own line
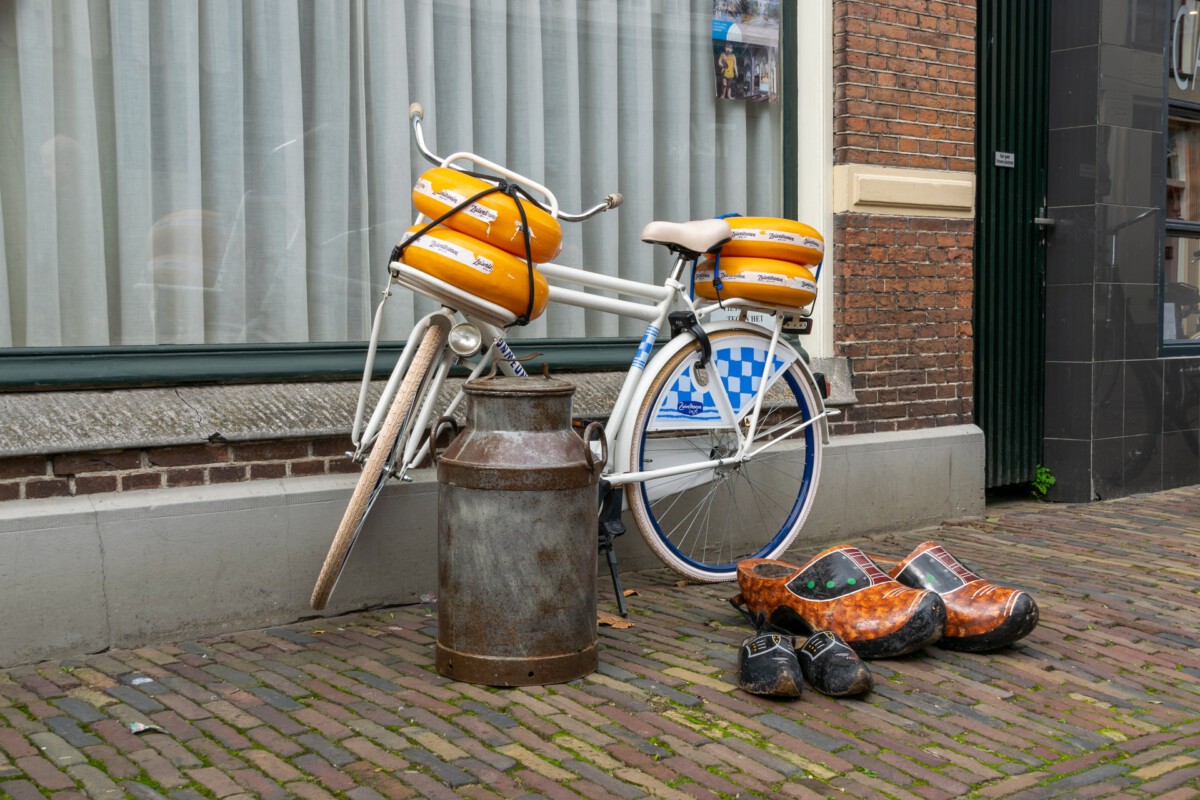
517, 538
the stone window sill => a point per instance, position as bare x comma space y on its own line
90, 421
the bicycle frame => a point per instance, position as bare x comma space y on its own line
662, 300
656, 304
671, 295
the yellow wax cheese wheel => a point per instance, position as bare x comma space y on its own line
762, 280
475, 267
493, 218
768, 237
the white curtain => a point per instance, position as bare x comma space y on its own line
220, 171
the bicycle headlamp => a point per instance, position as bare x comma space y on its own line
465, 339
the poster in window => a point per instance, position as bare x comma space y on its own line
745, 37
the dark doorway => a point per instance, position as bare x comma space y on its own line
1013, 50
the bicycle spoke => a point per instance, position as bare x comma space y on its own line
742, 498
702, 509
746, 493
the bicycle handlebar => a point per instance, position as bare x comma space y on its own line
416, 112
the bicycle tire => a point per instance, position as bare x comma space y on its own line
701, 524
383, 452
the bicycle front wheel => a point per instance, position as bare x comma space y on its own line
392, 434
702, 522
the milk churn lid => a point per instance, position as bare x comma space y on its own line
500, 385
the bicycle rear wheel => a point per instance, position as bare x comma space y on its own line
389, 442
701, 523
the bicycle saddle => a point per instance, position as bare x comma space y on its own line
690, 238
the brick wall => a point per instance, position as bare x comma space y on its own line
904, 83
32, 477
904, 288
904, 96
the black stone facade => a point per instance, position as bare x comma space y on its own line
1119, 417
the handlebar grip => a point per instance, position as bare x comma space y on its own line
415, 111
615, 199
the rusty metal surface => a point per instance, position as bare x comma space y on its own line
517, 671
518, 438
517, 543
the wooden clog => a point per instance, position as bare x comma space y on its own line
842, 590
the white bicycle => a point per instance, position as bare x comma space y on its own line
715, 440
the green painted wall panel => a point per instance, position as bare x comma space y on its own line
1012, 123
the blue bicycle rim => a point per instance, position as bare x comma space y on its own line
810, 433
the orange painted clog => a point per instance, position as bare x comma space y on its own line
979, 614
843, 591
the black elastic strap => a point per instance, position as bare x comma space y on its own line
510, 189
399, 249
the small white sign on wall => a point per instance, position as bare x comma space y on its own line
1006, 159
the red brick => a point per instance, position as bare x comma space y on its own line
93, 484
10, 491
14, 744
43, 773
22, 467
326, 774
141, 480
186, 477
342, 466
322, 724
311, 466
902, 282
159, 769
262, 471
21, 790
117, 767
279, 745
215, 781
47, 487
388, 786
188, 456
334, 447
270, 451
227, 474
76, 463
258, 785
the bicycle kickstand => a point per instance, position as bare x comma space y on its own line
611, 527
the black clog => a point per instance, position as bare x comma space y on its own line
768, 665
831, 667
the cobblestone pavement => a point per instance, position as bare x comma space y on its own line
1101, 700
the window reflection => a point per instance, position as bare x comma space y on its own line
1183, 170
1181, 290
238, 172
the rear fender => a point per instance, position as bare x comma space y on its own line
623, 444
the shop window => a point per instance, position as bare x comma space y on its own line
1181, 290
1183, 170
238, 171
1180, 287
